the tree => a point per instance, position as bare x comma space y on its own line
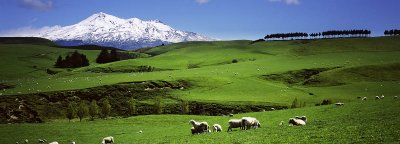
105, 108
71, 110
82, 110
132, 109
158, 105
114, 56
185, 107
103, 57
93, 109
59, 62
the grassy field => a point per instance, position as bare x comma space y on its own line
208, 65
371, 121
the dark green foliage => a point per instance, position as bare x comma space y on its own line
71, 110
105, 57
72, 61
83, 110
93, 109
235, 61
185, 107
105, 110
326, 102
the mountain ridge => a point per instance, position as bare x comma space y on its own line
108, 30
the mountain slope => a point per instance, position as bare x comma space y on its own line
107, 30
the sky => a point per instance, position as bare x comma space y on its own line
221, 19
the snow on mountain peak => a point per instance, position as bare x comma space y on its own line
108, 30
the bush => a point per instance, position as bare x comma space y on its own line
326, 102
235, 61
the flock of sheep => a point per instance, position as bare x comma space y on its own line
245, 123
377, 97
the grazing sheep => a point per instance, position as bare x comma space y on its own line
272, 109
54, 142
230, 115
304, 118
140, 131
281, 124
296, 122
235, 123
200, 126
364, 98
377, 97
41, 140
248, 122
217, 128
382, 96
395, 97
26, 141
108, 140
72, 142
195, 131
339, 104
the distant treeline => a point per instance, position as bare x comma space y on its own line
392, 32
325, 34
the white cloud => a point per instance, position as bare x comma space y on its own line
202, 1
27, 31
41, 5
289, 2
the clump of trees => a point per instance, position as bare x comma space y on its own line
283, 36
106, 57
393, 32
72, 61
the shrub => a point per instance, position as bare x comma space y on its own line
235, 61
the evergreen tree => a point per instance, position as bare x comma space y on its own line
114, 56
93, 109
59, 62
103, 57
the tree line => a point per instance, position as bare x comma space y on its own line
72, 61
106, 57
81, 109
392, 32
324, 34
295, 35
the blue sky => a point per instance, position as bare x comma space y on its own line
223, 19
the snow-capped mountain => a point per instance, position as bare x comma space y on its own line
107, 30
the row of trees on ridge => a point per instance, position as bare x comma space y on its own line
325, 34
392, 32
106, 57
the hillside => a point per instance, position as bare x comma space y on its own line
371, 121
354, 66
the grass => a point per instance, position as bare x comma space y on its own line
215, 78
371, 121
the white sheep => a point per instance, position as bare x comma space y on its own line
73, 142
235, 123
248, 122
281, 124
382, 96
377, 97
296, 122
26, 141
108, 140
54, 142
364, 98
395, 97
217, 128
339, 104
200, 126
41, 140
